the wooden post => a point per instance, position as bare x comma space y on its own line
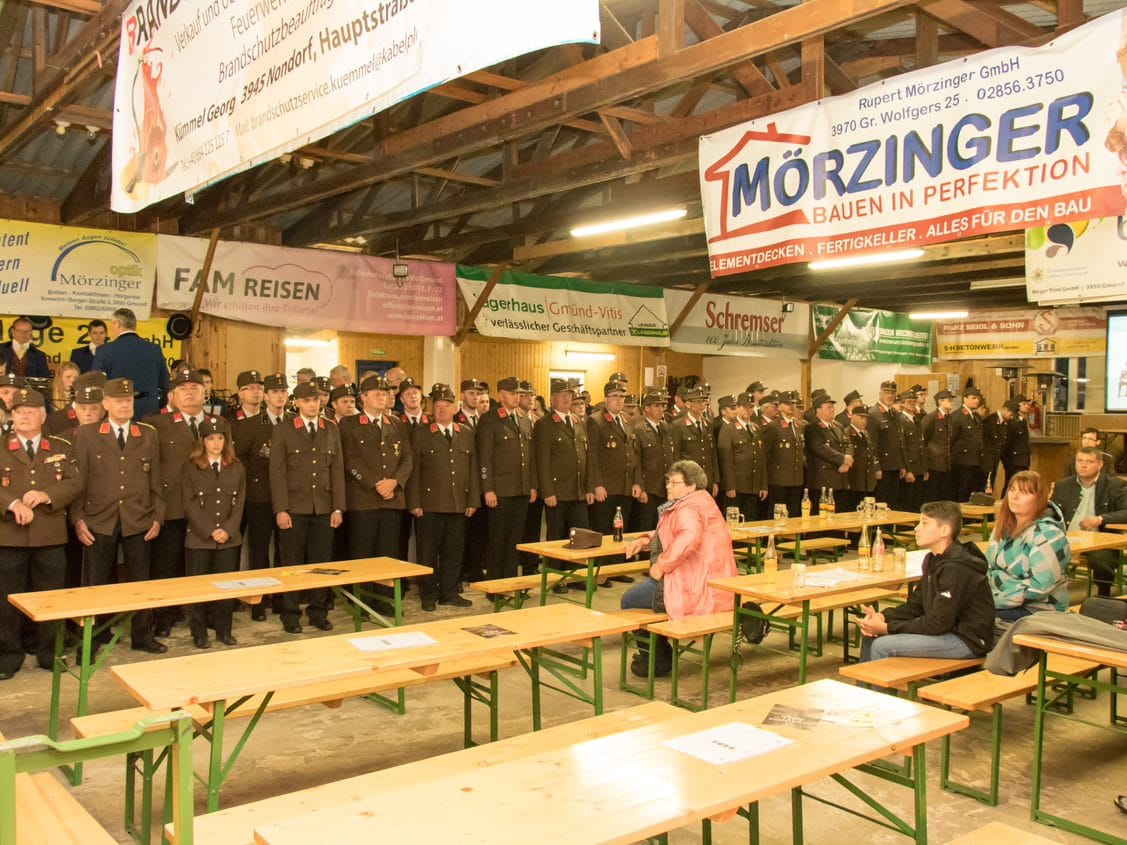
201, 289
467, 324
684, 315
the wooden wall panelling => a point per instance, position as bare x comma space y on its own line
407, 351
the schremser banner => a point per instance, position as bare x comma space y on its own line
530, 307
74, 272
209, 88
739, 325
1005, 139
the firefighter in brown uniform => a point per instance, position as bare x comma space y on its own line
865, 472
477, 527
508, 477
410, 399
559, 442
884, 429
784, 446
177, 433
378, 462
935, 429
966, 447
442, 493
307, 493
613, 465
252, 437
692, 436
38, 481
915, 464
122, 502
829, 453
534, 514
742, 462
65, 420
655, 457
251, 387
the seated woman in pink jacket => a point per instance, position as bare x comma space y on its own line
689, 547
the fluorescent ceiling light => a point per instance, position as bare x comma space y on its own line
938, 315
1081, 381
579, 355
998, 284
307, 342
867, 260
617, 225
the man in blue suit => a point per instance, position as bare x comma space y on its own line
83, 356
20, 355
131, 356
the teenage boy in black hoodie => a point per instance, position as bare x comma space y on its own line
951, 613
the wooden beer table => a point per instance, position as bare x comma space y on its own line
589, 561
846, 521
119, 602
983, 512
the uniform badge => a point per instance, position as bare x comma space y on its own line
145, 466
395, 446
5, 481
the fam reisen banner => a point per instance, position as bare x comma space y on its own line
1004, 139
307, 288
74, 272
207, 89
530, 307
739, 325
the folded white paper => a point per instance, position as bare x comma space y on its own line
390, 642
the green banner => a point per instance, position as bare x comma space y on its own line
870, 335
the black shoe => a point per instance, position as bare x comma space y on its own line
577, 585
640, 665
7, 676
258, 614
456, 601
201, 641
430, 605
623, 579
291, 628
323, 625
163, 631
149, 645
46, 661
227, 639
1120, 802
560, 589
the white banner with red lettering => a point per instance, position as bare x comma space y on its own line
1004, 139
739, 325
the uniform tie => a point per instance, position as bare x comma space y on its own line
121, 438
31, 449
195, 428
618, 424
312, 431
215, 466
449, 435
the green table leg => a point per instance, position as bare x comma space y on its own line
796, 815
215, 762
736, 657
804, 645
920, 791
534, 676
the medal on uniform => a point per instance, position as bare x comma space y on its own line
5, 481
395, 446
145, 466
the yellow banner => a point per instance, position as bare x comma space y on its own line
66, 334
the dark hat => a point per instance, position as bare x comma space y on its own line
277, 381
1021, 397
119, 388
375, 382
755, 386
696, 394
88, 394
510, 384
851, 395
409, 384
888, 385
944, 394
821, 399
186, 375
706, 387
560, 385
745, 399
525, 387
727, 402
1014, 405
92, 378
771, 398
341, 390
214, 425
12, 380
917, 387
442, 392
861, 411
788, 397
619, 377
483, 386
655, 397
819, 391
321, 383
470, 384
305, 390
247, 378
972, 391
631, 400
28, 396
613, 386
906, 395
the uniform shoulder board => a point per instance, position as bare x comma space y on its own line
297, 423
61, 439
104, 428
135, 430
607, 416
45, 443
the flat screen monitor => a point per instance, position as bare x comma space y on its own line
1117, 362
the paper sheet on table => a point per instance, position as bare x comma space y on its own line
832, 577
247, 583
865, 709
728, 743
388, 642
915, 562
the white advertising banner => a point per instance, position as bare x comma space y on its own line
68, 271
1005, 139
210, 88
530, 307
1085, 261
739, 325
307, 288
1048, 333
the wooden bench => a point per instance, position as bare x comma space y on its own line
235, 825
329, 693
905, 674
642, 618
514, 592
997, 833
985, 692
814, 548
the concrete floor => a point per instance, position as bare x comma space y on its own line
313, 745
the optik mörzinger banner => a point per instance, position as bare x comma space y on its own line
1005, 139
209, 88
307, 288
74, 272
867, 334
739, 325
531, 307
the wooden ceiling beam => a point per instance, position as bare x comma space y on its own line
602, 81
747, 75
614, 34
76, 114
79, 7
983, 27
612, 240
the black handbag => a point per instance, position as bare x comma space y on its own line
1106, 610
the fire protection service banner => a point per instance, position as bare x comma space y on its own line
74, 272
1052, 333
1083, 261
307, 288
209, 88
867, 334
739, 325
1004, 139
530, 307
